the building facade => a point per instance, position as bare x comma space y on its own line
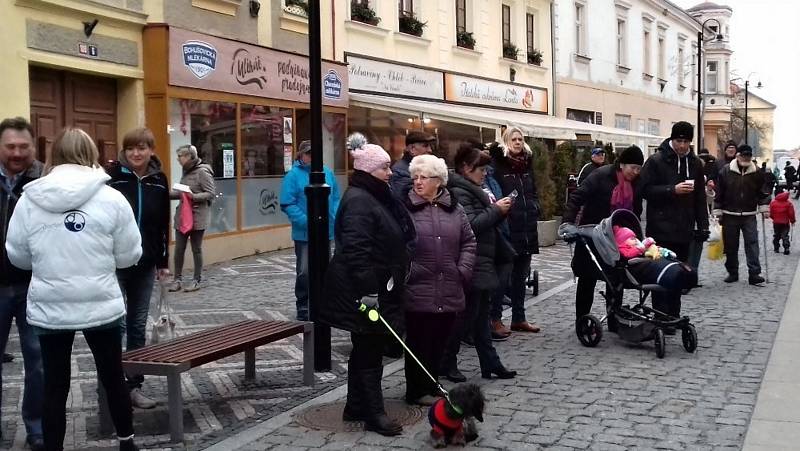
626, 64
717, 101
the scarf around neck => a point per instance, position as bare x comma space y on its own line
622, 195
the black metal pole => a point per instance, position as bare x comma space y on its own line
699, 91
317, 193
746, 128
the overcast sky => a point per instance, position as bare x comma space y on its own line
764, 40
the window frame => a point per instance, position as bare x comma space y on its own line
712, 73
617, 118
403, 11
505, 24
530, 30
461, 15
580, 29
622, 42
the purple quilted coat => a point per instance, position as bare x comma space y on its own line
445, 254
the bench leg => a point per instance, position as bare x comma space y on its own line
175, 407
308, 355
250, 363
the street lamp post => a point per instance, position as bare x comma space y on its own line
700, 72
746, 98
317, 193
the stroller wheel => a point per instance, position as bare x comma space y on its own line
689, 336
589, 330
661, 344
532, 281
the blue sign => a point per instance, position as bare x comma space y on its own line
199, 57
332, 85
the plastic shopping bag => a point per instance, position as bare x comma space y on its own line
715, 247
162, 327
715, 231
185, 212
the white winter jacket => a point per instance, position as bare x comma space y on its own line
73, 231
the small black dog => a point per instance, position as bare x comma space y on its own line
454, 422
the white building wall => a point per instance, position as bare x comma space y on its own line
617, 87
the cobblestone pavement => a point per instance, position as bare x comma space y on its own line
614, 396
217, 399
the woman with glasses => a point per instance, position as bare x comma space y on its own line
441, 267
606, 189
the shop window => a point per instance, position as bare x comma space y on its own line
449, 136
267, 150
211, 127
385, 128
334, 135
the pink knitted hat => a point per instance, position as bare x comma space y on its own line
623, 234
369, 157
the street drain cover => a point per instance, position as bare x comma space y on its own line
328, 417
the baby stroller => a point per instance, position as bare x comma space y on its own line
639, 322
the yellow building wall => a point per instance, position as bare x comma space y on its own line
15, 100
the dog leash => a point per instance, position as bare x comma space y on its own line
374, 316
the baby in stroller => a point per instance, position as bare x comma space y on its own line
625, 259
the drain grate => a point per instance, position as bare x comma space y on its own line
328, 417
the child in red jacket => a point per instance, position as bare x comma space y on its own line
781, 211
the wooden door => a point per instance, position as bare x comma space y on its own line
60, 98
91, 104
47, 106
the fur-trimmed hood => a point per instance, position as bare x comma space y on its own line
749, 169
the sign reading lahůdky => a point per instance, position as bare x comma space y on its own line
217, 64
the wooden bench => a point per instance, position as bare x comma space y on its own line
173, 357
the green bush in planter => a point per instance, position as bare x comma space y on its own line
566, 160
542, 172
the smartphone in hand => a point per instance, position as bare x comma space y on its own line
513, 194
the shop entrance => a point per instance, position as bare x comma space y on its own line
60, 98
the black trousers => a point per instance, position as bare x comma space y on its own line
669, 302
425, 333
747, 226
106, 347
475, 321
780, 235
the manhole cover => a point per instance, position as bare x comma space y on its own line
328, 417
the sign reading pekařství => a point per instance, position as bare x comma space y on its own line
206, 62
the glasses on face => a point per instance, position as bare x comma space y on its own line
423, 178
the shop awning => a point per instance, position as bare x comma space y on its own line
536, 125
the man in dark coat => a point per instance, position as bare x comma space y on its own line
741, 196
591, 203
417, 143
728, 154
17, 168
790, 175
598, 159
673, 186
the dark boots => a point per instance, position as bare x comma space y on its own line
365, 402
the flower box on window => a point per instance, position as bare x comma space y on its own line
510, 51
297, 7
535, 57
465, 39
409, 24
361, 12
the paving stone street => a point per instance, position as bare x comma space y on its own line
567, 396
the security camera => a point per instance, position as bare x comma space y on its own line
88, 27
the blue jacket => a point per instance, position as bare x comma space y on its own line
293, 199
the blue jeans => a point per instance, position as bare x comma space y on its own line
137, 286
12, 306
301, 282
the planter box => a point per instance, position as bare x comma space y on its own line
548, 232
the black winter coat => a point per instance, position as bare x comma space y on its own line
524, 214
10, 274
149, 199
373, 243
592, 202
740, 194
670, 217
485, 218
400, 180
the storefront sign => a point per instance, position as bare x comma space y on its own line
489, 93
367, 75
215, 64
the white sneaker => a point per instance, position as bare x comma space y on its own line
176, 286
140, 401
193, 286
